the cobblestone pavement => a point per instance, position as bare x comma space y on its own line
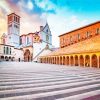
35, 81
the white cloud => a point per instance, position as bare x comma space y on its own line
62, 22
45, 4
30, 5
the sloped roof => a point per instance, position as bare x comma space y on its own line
89, 45
80, 28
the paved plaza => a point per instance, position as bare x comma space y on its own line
35, 81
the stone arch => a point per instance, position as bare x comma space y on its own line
81, 58
57, 60
6, 58
2, 58
13, 58
50, 60
47, 60
53, 60
9, 58
61, 60
67, 60
71, 60
76, 60
94, 61
64, 60
27, 55
87, 60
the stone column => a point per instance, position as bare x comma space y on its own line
90, 61
98, 61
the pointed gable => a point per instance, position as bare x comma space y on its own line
46, 29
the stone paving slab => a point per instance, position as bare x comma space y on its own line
35, 81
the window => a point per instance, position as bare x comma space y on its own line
47, 38
20, 41
18, 20
87, 34
97, 31
4, 50
27, 40
10, 50
78, 36
14, 18
16, 26
7, 50
47, 30
70, 39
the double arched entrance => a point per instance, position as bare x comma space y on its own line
27, 56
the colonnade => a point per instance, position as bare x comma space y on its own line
85, 60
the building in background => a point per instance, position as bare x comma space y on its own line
79, 47
25, 47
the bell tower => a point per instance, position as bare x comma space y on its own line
13, 29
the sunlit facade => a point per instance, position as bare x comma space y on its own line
79, 47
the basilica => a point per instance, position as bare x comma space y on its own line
25, 47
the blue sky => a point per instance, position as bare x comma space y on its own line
61, 15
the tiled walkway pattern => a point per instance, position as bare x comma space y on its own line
34, 81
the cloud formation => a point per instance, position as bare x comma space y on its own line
61, 15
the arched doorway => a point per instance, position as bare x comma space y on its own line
71, 60
9, 58
12, 59
94, 61
2, 58
76, 60
81, 61
6, 58
87, 60
67, 60
27, 55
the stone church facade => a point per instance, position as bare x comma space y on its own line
25, 47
